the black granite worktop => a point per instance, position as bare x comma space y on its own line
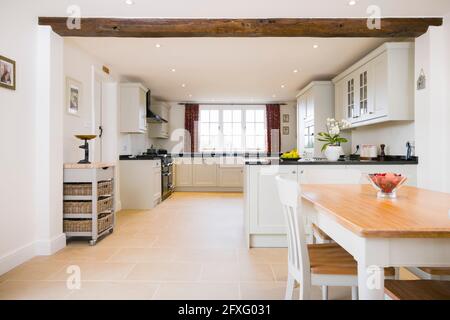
388, 160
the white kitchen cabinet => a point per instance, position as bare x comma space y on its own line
378, 88
209, 174
315, 103
183, 173
160, 130
140, 184
204, 174
266, 215
230, 176
133, 108
264, 219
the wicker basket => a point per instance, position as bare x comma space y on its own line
104, 188
85, 207
85, 225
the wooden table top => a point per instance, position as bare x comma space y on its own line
416, 213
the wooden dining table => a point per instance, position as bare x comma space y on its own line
410, 231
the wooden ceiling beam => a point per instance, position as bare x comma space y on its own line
188, 28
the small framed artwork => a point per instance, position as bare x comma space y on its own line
73, 96
285, 118
7, 73
285, 131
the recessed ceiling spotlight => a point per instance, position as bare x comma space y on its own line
158, 45
274, 96
190, 95
129, 2
283, 86
173, 70
315, 46
352, 2
183, 85
295, 71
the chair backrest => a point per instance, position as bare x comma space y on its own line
289, 192
331, 176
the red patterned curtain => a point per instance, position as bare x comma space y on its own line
273, 128
191, 126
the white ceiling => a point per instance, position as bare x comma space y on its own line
227, 69
240, 8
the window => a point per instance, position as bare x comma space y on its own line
232, 128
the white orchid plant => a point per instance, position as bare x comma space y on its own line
332, 137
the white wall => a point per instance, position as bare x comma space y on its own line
17, 137
138, 143
432, 108
393, 134
289, 142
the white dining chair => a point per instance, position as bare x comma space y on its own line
329, 176
314, 264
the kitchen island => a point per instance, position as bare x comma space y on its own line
264, 220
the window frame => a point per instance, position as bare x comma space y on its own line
243, 109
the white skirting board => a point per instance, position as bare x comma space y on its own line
37, 248
208, 189
51, 246
16, 257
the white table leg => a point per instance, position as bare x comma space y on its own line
370, 282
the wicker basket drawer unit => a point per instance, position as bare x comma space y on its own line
85, 225
85, 207
104, 188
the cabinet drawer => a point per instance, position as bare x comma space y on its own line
104, 174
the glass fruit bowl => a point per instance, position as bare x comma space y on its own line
387, 184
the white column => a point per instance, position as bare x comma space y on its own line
49, 142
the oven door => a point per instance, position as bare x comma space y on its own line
166, 181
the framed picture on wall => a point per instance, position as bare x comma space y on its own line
7, 73
285, 118
73, 96
285, 131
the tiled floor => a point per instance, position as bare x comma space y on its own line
192, 246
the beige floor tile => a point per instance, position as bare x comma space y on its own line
159, 271
126, 241
114, 291
136, 255
33, 290
35, 271
263, 255
206, 255
198, 291
99, 271
280, 271
85, 253
233, 272
262, 290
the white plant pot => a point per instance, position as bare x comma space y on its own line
333, 153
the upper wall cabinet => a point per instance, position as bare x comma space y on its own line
379, 87
314, 106
133, 110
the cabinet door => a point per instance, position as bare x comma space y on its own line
380, 89
350, 98
204, 175
267, 214
340, 96
309, 105
142, 110
157, 183
231, 177
184, 175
